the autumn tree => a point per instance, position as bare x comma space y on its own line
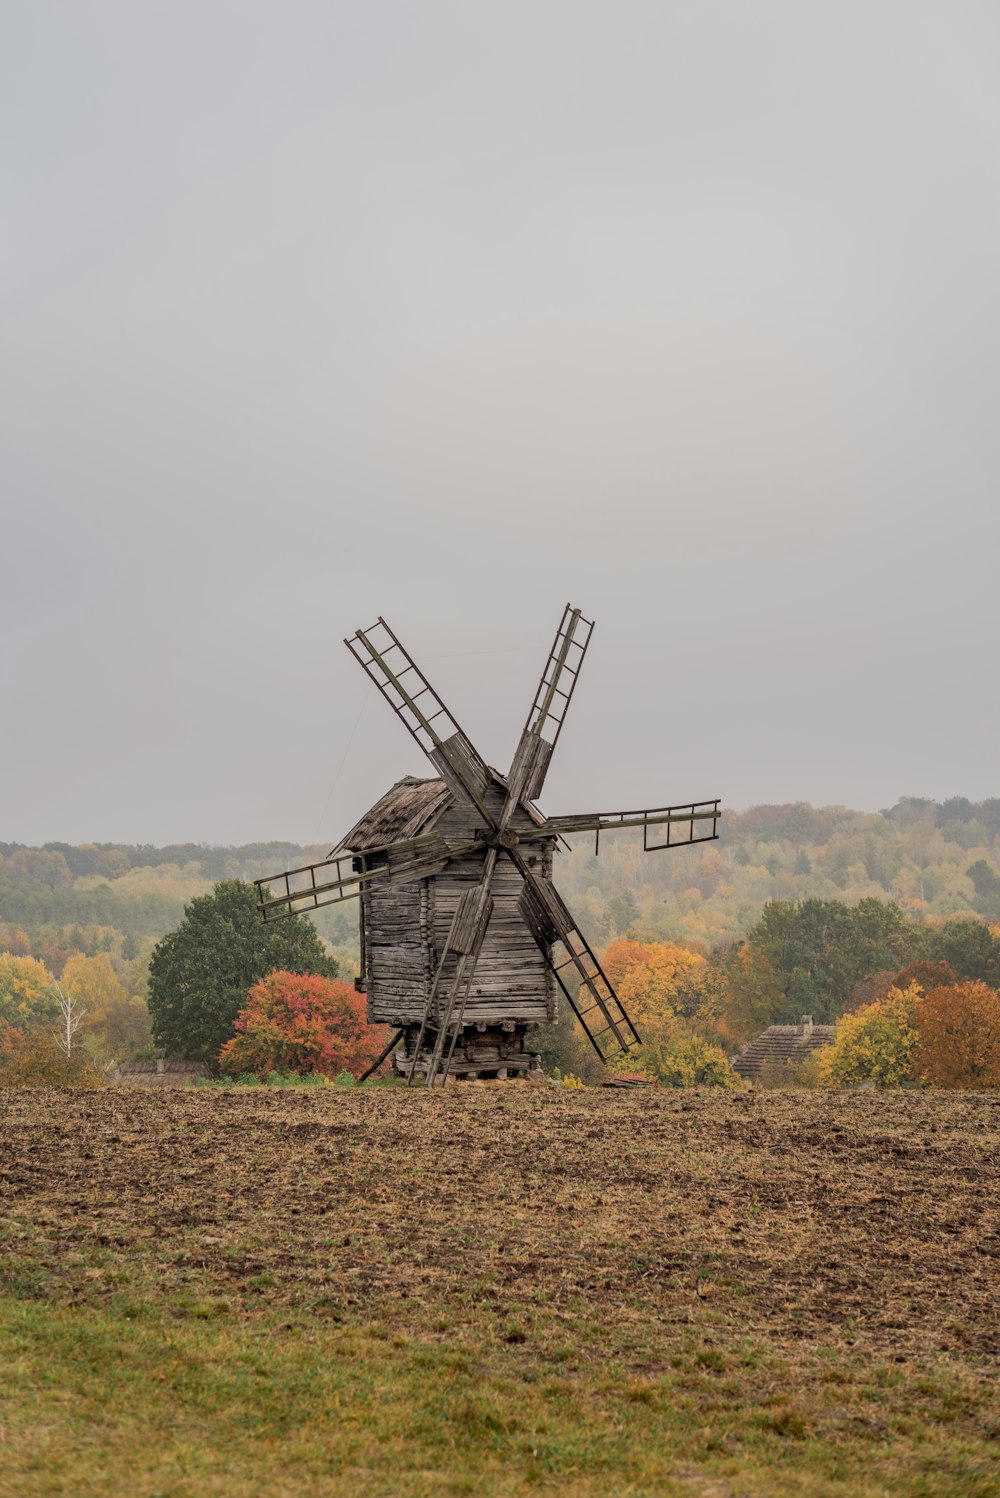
27, 991
755, 991
200, 974
648, 976
119, 1030
14, 940
958, 1028
871, 989
679, 1059
302, 1024
875, 1044
925, 974
92, 980
36, 1059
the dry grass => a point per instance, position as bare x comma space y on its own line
500, 1289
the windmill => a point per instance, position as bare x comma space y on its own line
464, 937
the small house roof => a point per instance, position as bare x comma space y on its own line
780, 1043
160, 1073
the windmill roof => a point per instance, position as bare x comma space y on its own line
400, 814
405, 811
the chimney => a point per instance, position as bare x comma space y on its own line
807, 1024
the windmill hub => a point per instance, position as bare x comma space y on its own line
502, 839
462, 950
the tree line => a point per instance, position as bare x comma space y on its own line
795, 910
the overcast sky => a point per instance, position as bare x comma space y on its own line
310, 312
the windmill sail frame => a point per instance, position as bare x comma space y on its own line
508, 842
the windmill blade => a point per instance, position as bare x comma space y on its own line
421, 710
549, 708
602, 1014
463, 943
333, 880
695, 822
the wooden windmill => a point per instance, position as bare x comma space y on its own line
464, 938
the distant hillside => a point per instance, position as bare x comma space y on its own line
931, 859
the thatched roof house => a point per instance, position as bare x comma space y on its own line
159, 1073
779, 1044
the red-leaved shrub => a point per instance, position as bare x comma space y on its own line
302, 1023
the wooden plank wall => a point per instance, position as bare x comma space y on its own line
397, 962
406, 926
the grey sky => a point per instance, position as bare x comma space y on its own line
452, 312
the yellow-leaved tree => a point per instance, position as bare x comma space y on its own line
875, 1044
92, 980
116, 1026
654, 980
647, 976
27, 991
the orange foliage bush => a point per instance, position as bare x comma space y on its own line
302, 1023
647, 976
958, 1028
38, 1060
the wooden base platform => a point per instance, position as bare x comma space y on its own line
480, 1052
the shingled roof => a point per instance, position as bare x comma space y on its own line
407, 810
403, 812
159, 1073
781, 1043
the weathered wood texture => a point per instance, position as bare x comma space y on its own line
484, 1049
406, 926
402, 813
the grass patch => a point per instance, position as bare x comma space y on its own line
95, 1402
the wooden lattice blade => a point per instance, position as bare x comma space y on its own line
601, 1013
548, 709
334, 880
694, 821
463, 943
414, 701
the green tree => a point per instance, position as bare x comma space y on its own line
199, 975
813, 953
623, 912
969, 947
564, 1047
987, 887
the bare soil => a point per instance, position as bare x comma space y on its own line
860, 1221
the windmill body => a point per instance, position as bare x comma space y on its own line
404, 926
466, 944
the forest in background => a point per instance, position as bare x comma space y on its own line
928, 865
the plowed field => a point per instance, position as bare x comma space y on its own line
762, 1257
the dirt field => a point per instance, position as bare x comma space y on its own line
645, 1227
